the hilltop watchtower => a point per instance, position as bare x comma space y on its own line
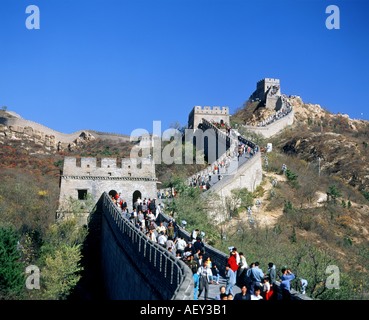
211, 114
268, 91
89, 177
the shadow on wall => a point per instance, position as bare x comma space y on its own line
91, 284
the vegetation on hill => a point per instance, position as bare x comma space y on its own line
315, 217
29, 236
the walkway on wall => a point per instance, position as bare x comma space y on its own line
226, 173
214, 289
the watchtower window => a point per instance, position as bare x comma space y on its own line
88, 166
109, 174
82, 194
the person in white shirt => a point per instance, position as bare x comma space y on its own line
257, 294
161, 228
180, 244
162, 239
150, 216
151, 235
303, 283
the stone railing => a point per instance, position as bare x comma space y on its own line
220, 259
230, 140
152, 266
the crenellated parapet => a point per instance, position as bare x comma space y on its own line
211, 110
268, 91
109, 167
90, 177
212, 114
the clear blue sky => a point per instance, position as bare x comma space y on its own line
118, 65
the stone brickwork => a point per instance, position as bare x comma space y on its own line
130, 177
134, 267
249, 175
273, 128
267, 90
216, 114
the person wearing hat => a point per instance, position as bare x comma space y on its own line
205, 274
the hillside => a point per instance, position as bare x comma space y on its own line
31, 146
324, 198
326, 155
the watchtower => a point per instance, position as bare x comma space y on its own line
211, 114
268, 91
87, 178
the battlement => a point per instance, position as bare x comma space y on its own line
216, 114
269, 80
109, 167
211, 110
268, 90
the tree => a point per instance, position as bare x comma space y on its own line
61, 272
12, 277
245, 197
333, 193
177, 126
60, 259
292, 178
196, 208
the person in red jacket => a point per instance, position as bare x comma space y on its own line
232, 261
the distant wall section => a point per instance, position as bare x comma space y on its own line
273, 128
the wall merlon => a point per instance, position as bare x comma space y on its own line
109, 163
97, 175
274, 80
215, 113
211, 110
109, 167
88, 163
70, 161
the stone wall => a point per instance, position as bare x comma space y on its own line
17, 128
249, 175
209, 139
127, 178
14, 132
40, 129
220, 259
135, 268
216, 114
263, 86
274, 127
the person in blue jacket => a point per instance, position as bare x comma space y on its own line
286, 278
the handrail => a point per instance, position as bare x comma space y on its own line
173, 274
